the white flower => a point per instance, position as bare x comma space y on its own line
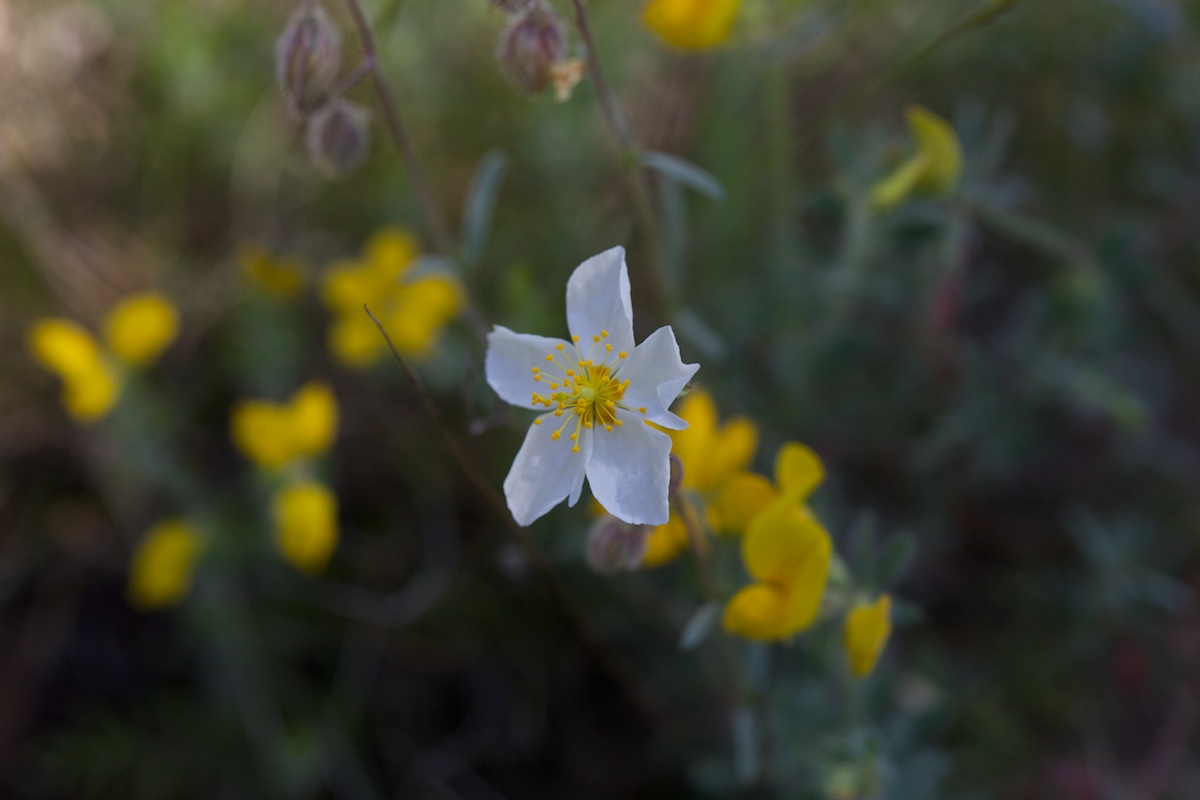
597, 391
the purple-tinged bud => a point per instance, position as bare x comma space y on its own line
531, 45
614, 546
511, 6
338, 137
307, 56
676, 476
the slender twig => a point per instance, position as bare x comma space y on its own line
698, 543
623, 676
395, 125
628, 152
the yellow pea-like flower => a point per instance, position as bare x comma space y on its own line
665, 542
691, 24
160, 573
141, 327
90, 386
867, 630
739, 501
711, 453
412, 311
273, 435
934, 168
787, 551
306, 525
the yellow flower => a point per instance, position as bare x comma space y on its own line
160, 573
787, 551
412, 311
691, 24
141, 327
798, 471
664, 543
279, 277
711, 454
273, 435
934, 168
306, 526
867, 630
90, 385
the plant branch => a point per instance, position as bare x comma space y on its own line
395, 124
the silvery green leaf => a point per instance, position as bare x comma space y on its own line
701, 624
481, 200
684, 172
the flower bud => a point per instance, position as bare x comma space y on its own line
614, 546
307, 55
533, 43
338, 137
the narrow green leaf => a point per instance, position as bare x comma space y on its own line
480, 202
684, 172
702, 623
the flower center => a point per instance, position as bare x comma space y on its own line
589, 392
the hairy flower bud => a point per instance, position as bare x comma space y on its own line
338, 137
307, 55
614, 546
533, 43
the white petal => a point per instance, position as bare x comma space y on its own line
629, 472
509, 365
598, 300
656, 376
545, 472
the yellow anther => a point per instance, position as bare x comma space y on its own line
570, 372
608, 347
595, 339
537, 378
574, 338
558, 411
642, 409
604, 334
536, 370
575, 449
555, 436
537, 421
558, 347
618, 422
554, 386
622, 354
550, 357
574, 436
608, 427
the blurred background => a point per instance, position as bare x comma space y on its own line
1001, 380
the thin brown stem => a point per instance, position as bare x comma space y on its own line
628, 152
438, 226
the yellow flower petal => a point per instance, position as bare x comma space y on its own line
160, 573
314, 419
391, 251
141, 327
88, 396
306, 526
666, 542
758, 611
419, 310
691, 24
867, 630
347, 285
355, 341
781, 539
798, 470
64, 346
938, 143
896, 187
739, 500
262, 432
692, 445
732, 451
